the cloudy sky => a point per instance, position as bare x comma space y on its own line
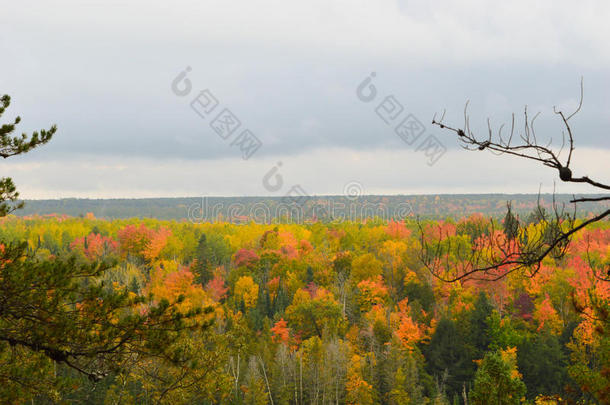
289, 72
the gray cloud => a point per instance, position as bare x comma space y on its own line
322, 172
289, 70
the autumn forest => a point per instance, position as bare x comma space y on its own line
321, 313
323, 202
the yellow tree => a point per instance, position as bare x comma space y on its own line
366, 266
358, 391
313, 312
247, 290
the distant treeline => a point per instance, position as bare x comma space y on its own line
303, 208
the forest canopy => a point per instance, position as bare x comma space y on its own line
327, 313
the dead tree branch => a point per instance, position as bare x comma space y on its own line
499, 254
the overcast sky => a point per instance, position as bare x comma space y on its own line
289, 72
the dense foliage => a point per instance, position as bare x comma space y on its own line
314, 313
62, 315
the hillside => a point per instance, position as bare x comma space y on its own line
240, 209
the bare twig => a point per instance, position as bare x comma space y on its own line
506, 256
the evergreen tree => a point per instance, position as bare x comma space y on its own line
60, 312
212, 251
478, 332
511, 223
422, 293
497, 382
448, 357
16, 145
309, 277
543, 364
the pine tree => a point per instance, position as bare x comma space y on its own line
479, 335
511, 223
60, 311
497, 382
543, 364
448, 356
12, 146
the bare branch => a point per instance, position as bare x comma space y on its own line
508, 255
